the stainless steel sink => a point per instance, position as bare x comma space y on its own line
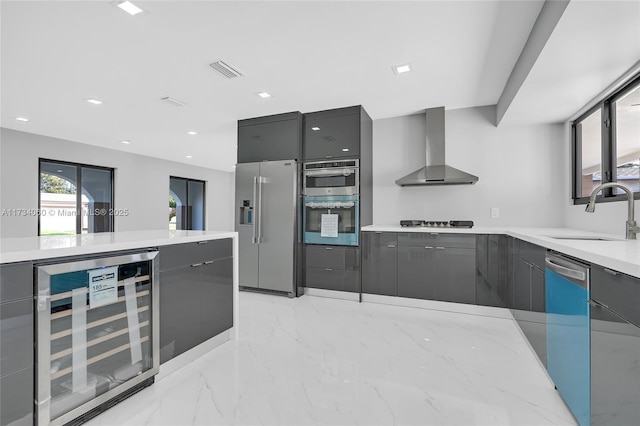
583, 238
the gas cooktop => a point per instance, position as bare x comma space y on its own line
437, 223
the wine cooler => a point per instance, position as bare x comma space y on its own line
97, 334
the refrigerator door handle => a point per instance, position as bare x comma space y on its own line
254, 239
259, 207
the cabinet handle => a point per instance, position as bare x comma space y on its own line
439, 248
328, 156
203, 242
428, 247
208, 262
328, 248
377, 232
194, 265
610, 272
391, 246
594, 302
327, 269
434, 233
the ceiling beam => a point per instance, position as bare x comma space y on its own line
542, 29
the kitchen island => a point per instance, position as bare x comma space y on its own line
183, 285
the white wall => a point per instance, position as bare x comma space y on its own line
141, 183
521, 171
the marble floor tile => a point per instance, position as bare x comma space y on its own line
314, 360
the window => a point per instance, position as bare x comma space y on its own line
606, 146
74, 198
186, 203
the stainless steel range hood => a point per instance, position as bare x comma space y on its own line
436, 172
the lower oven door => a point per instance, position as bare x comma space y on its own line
333, 220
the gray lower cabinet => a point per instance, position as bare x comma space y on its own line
196, 294
380, 263
492, 282
437, 267
332, 267
615, 348
217, 287
16, 398
527, 289
16, 344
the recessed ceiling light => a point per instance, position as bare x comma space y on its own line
23, 119
126, 142
264, 94
401, 69
94, 101
315, 129
129, 7
192, 133
188, 156
345, 149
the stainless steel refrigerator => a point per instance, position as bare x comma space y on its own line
267, 221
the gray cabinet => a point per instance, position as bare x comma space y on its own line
335, 133
437, 266
527, 289
332, 267
492, 284
380, 263
271, 138
196, 294
615, 349
16, 344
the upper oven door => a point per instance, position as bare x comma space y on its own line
335, 181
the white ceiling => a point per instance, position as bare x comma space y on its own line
310, 55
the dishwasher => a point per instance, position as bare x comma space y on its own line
568, 337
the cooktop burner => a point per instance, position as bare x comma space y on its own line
438, 223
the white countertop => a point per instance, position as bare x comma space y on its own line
617, 254
47, 247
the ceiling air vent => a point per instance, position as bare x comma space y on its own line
173, 101
226, 69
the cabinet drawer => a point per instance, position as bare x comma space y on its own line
16, 281
619, 292
16, 398
325, 257
379, 238
179, 255
16, 339
436, 239
332, 279
532, 253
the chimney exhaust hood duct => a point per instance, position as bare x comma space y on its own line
436, 172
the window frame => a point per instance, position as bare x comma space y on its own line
608, 146
204, 202
79, 167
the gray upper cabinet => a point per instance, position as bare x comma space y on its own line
271, 138
380, 263
335, 133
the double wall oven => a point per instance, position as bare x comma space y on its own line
331, 202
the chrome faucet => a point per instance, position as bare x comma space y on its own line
632, 229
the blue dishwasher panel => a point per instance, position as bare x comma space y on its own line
568, 349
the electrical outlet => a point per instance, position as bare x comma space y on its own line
495, 212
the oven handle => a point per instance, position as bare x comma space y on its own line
331, 172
